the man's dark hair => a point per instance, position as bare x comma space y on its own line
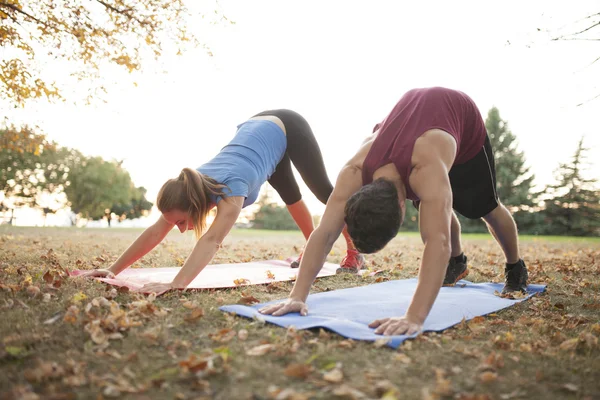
373, 216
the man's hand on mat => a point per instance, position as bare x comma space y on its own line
288, 306
396, 326
155, 287
97, 273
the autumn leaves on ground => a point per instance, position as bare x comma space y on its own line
64, 338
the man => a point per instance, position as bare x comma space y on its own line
432, 149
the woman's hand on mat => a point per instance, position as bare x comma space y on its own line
97, 273
155, 287
286, 307
396, 326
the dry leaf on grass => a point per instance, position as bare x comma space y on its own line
347, 392
300, 371
386, 390
334, 376
190, 305
261, 350
71, 315
570, 387
223, 335
242, 334
195, 315
488, 377
248, 299
403, 358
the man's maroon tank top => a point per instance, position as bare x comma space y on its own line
418, 111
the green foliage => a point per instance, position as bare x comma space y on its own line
574, 206
512, 176
513, 179
29, 167
272, 216
96, 186
137, 206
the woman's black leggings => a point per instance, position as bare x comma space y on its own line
303, 151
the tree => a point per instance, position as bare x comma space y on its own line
137, 206
97, 186
272, 216
27, 167
574, 205
513, 180
88, 35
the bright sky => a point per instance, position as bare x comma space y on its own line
343, 65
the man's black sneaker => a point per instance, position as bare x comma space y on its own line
516, 278
457, 270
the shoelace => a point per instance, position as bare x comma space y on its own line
513, 277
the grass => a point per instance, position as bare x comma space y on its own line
546, 347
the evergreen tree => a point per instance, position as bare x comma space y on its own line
574, 208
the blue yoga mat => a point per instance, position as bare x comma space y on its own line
348, 312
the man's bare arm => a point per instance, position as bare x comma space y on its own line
320, 242
432, 185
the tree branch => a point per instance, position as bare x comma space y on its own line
586, 29
17, 9
585, 39
593, 62
587, 101
125, 12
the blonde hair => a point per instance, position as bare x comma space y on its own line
190, 192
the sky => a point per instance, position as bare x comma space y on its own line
343, 65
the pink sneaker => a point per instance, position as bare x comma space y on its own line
352, 263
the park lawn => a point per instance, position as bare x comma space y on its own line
180, 346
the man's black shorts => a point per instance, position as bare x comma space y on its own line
474, 184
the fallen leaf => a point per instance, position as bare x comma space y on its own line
403, 358
334, 376
248, 299
300, 371
443, 386
260, 350
570, 387
53, 319
78, 297
381, 342
570, 344
346, 344
71, 315
33, 291
242, 334
241, 281
589, 339
347, 392
385, 389
111, 391
488, 377
48, 277
190, 305
194, 315
223, 336
513, 395
195, 363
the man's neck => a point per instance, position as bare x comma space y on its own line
390, 173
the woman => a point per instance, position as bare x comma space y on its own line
263, 149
